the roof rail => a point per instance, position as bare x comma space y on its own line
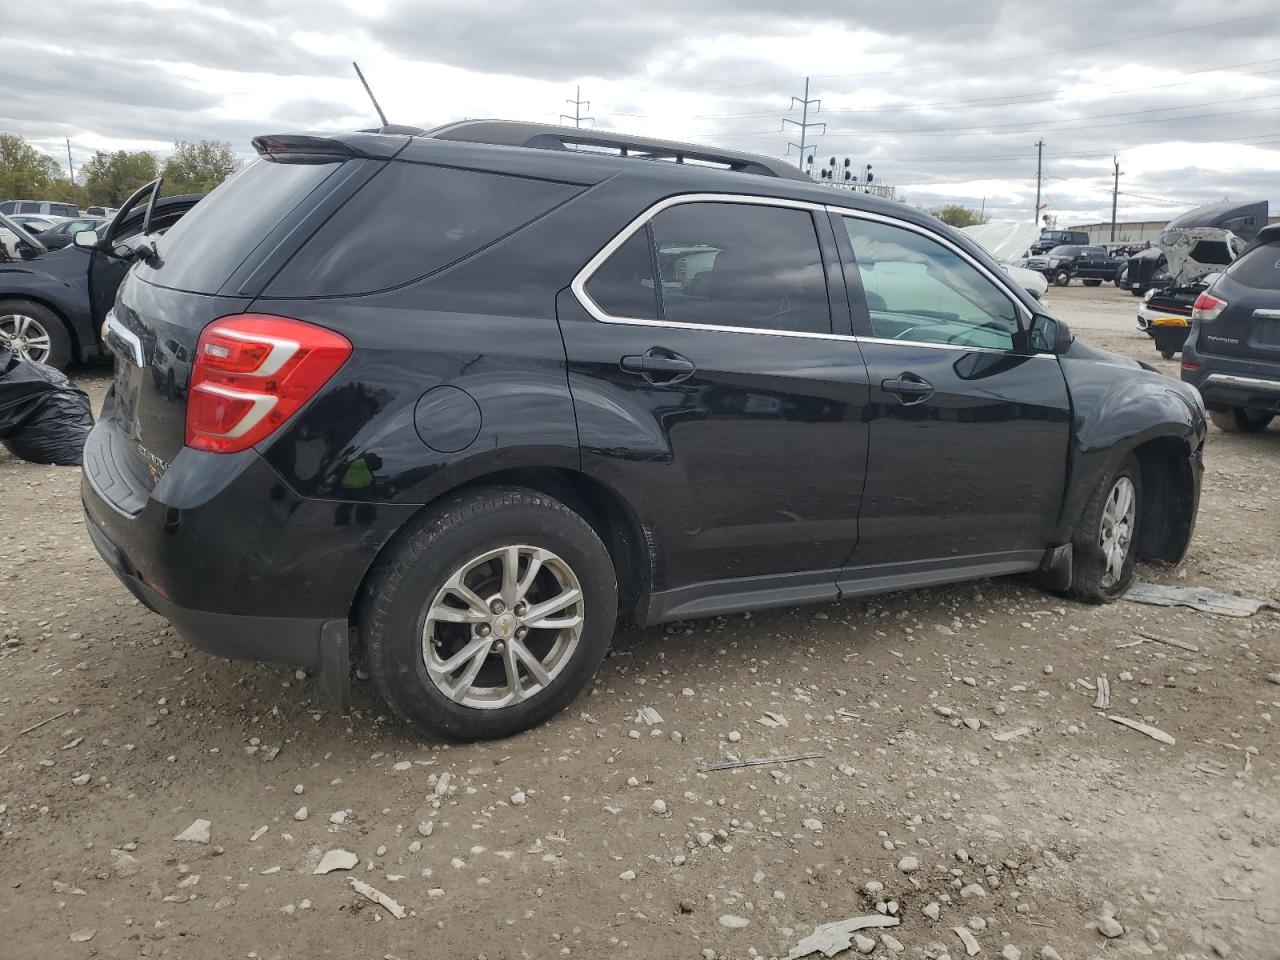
546, 136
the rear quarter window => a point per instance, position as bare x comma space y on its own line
410, 221
1259, 268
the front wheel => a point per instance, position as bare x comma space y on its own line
34, 332
1062, 278
490, 614
1240, 420
1104, 546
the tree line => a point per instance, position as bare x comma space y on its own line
27, 173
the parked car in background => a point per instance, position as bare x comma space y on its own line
1059, 264
58, 236
16, 241
1057, 238
96, 211
41, 208
53, 302
1233, 353
1096, 265
36, 223
1165, 314
578, 394
1199, 242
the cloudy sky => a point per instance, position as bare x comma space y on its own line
945, 99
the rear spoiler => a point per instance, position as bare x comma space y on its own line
299, 148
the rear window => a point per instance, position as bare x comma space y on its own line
64, 210
409, 221
1259, 268
207, 245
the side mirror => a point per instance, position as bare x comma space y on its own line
1048, 335
88, 239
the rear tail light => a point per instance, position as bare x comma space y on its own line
1190, 365
251, 373
1207, 307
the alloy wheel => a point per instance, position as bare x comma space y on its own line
1116, 536
503, 626
25, 336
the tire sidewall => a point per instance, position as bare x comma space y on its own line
1061, 278
1090, 563
395, 638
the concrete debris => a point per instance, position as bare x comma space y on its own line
123, 864
378, 897
649, 717
831, 938
771, 719
932, 911
442, 785
759, 761
1010, 952
198, 832
1103, 700
1154, 733
258, 834
1274, 678
733, 922
1110, 927
970, 943
519, 798
1198, 598
336, 860
1170, 641
83, 936
909, 864
1007, 735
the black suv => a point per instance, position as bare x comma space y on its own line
1057, 238
1233, 352
459, 402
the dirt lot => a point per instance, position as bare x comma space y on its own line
555, 844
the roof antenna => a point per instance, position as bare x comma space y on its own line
381, 116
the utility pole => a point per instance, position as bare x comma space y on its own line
71, 170
1039, 170
1115, 194
803, 123
578, 104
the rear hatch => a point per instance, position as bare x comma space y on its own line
1248, 323
209, 265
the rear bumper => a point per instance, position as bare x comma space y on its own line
1233, 382
223, 549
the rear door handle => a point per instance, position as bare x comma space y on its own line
659, 366
909, 388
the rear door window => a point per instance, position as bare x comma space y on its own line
623, 285
741, 265
409, 221
1259, 268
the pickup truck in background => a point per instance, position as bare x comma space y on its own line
1061, 263
1057, 238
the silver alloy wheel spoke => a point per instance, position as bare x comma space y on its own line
516, 633
25, 336
1116, 536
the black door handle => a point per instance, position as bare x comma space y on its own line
909, 388
659, 366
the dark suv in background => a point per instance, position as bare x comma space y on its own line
1232, 355
461, 401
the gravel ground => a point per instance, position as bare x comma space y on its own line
963, 777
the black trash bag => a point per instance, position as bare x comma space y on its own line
43, 418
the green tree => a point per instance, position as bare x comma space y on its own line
957, 216
198, 167
109, 178
25, 172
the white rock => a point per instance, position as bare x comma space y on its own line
402, 765
733, 922
336, 860
198, 832
298, 789
813, 825
627, 875
659, 807
1010, 952
909, 864
973, 890
81, 780
734, 736
891, 943
83, 936
258, 834
864, 943
442, 785
338, 817
704, 838
1110, 927
124, 864
932, 911
300, 814
425, 827
518, 799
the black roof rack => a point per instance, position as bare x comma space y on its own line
546, 136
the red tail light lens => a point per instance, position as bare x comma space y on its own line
1207, 307
251, 373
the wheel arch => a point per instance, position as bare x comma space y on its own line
1170, 498
629, 542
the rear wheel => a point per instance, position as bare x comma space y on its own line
1240, 420
1062, 278
33, 332
1168, 354
1103, 549
1092, 283
490, 615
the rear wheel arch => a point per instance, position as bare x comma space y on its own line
605, 510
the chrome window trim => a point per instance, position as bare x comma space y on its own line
579, 283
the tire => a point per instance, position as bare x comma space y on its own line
1092, 283
1062, 278
406, 597
1093, 578
1240, 420
1136, 292
45, 338
1168, 354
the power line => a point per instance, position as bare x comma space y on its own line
578, 104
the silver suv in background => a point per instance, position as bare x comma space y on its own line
42, 208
